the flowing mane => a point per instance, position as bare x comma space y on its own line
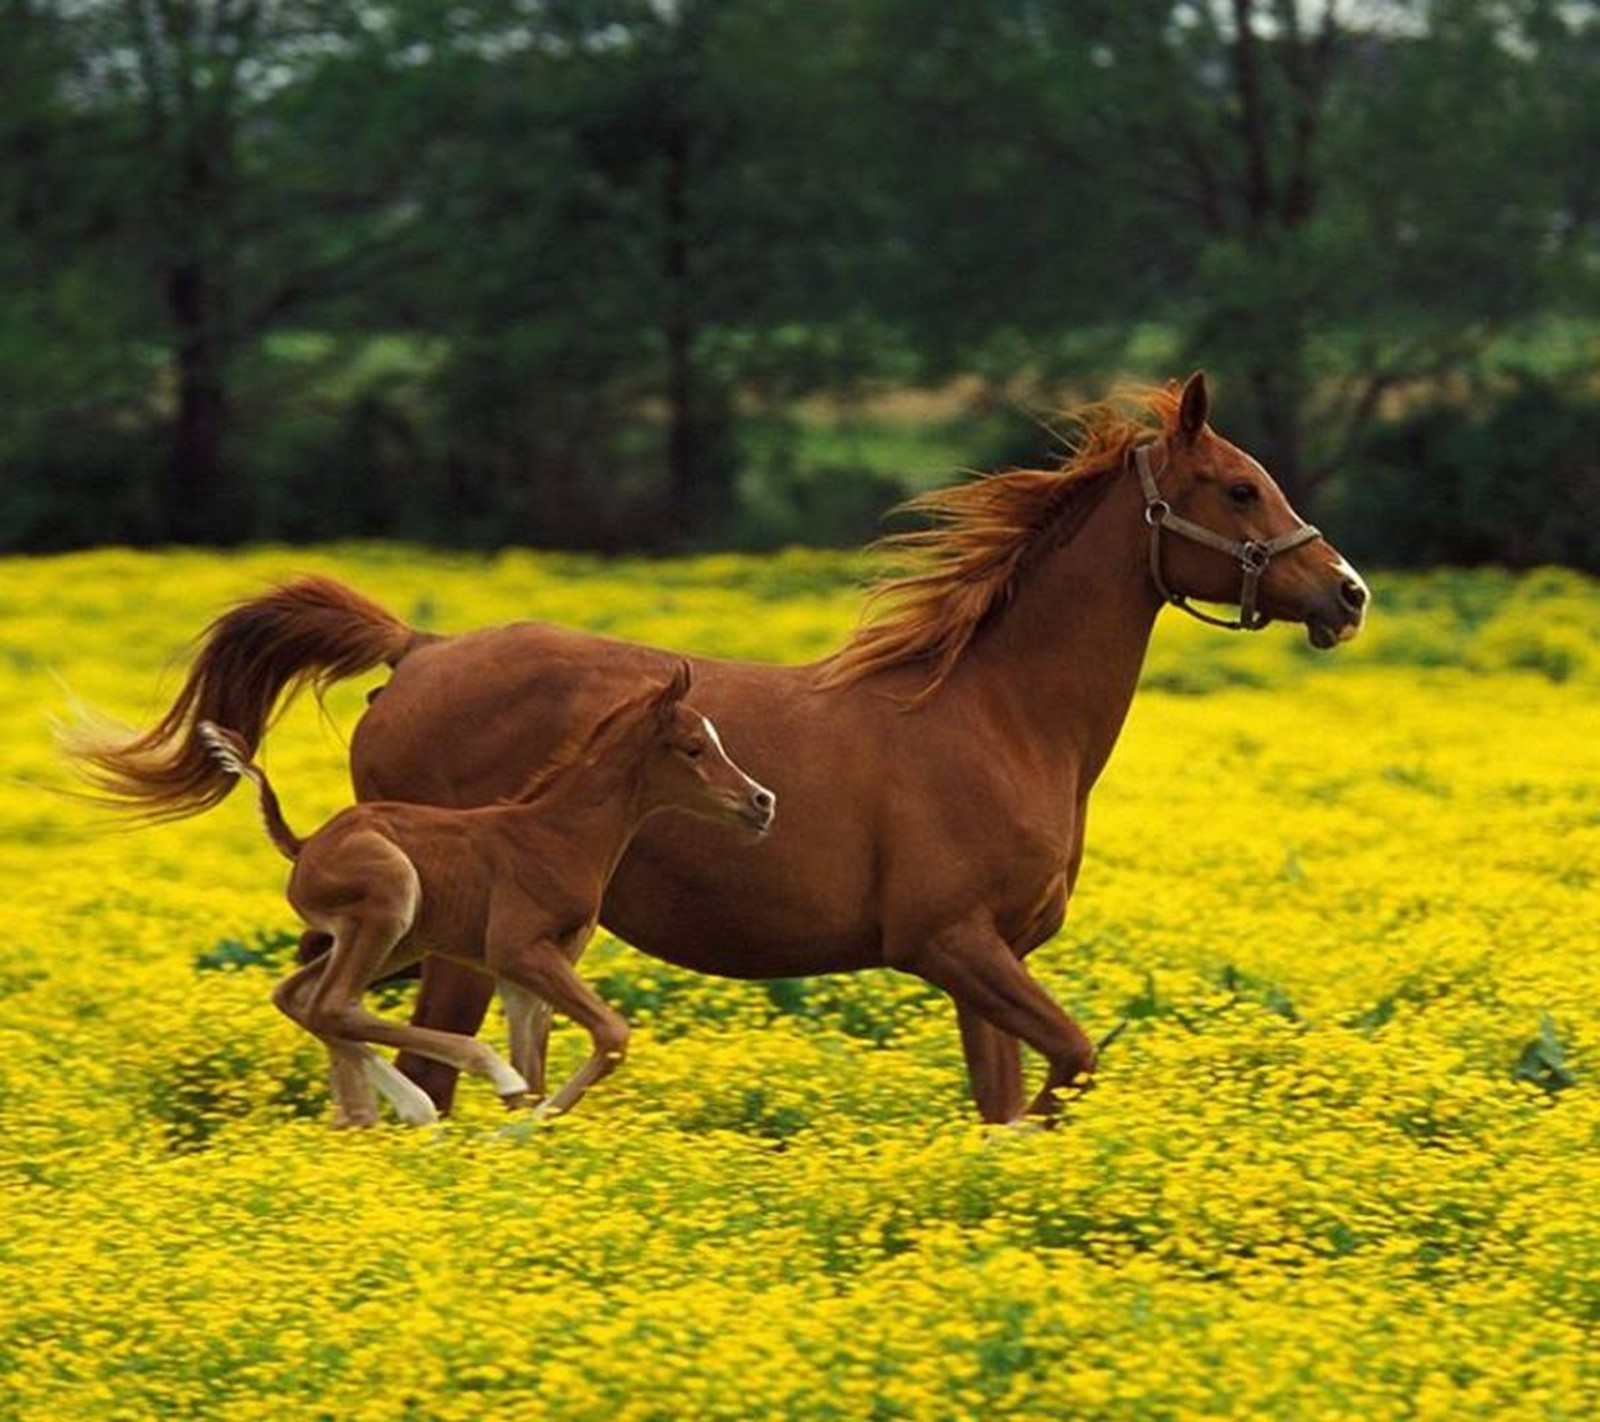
585, 747
962, 570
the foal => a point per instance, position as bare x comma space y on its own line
511, 889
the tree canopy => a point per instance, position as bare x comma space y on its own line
533, 270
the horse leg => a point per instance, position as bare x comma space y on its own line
336, 1010
452, 998
354, 1069
354, 1102
528, 1018
530, 1039
978, 969
546, 971
994, 1066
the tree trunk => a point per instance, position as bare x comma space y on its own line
195, 509
684, 489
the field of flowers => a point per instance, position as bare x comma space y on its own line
1343, 1162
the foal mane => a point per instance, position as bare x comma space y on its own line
985, 534
586, 748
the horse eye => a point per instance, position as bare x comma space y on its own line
1243, 493
694, 752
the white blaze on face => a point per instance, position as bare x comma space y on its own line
712, 736
716, 740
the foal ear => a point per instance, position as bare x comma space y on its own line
674, 691
1194, 407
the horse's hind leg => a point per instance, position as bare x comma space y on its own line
368, 933
355, 1071
337, 1011
354, 1103
366, 891
455, 998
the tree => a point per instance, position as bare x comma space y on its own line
1357, 183
195, 202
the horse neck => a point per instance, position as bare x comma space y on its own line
1063, 658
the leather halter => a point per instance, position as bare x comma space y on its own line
1251, 554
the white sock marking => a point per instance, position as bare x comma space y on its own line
411, 1103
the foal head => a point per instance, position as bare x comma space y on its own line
686, 768
1223, 532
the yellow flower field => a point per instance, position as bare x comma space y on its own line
1343, 1162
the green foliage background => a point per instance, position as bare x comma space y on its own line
619, 274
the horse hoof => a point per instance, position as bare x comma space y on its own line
346, 1121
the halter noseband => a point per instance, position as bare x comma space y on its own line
1251, 554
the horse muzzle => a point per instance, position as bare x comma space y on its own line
758, 809
1343, 611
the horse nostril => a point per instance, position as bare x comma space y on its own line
764, 799
1352, 595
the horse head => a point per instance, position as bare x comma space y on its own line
689, 769
1231, 536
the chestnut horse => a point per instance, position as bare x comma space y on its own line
512, 889
935, 772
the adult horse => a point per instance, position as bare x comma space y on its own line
934, 773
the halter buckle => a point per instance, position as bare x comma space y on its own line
1254, 556
1156, 512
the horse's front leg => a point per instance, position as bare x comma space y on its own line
453, 998
528, 1025
978, 968
544, 971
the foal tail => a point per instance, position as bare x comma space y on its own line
229, 750
313, 631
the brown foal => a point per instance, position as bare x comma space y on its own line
512, 890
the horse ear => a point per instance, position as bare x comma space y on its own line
674, 691
1194, 407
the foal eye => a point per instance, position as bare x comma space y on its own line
1243, 493
694, 752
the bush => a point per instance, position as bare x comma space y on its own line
1511, 479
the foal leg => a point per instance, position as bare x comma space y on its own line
977, 968
454, 998
337, 1011
528, 1019
546, 971
354, 1069
529, 1016
354, 1103
378, 891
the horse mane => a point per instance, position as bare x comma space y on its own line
586, 748
955, 575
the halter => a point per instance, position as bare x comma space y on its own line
1252, 555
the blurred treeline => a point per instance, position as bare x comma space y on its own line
638, 273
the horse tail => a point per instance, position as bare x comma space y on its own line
229, 751
312, 631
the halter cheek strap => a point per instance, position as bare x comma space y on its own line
1252, 555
